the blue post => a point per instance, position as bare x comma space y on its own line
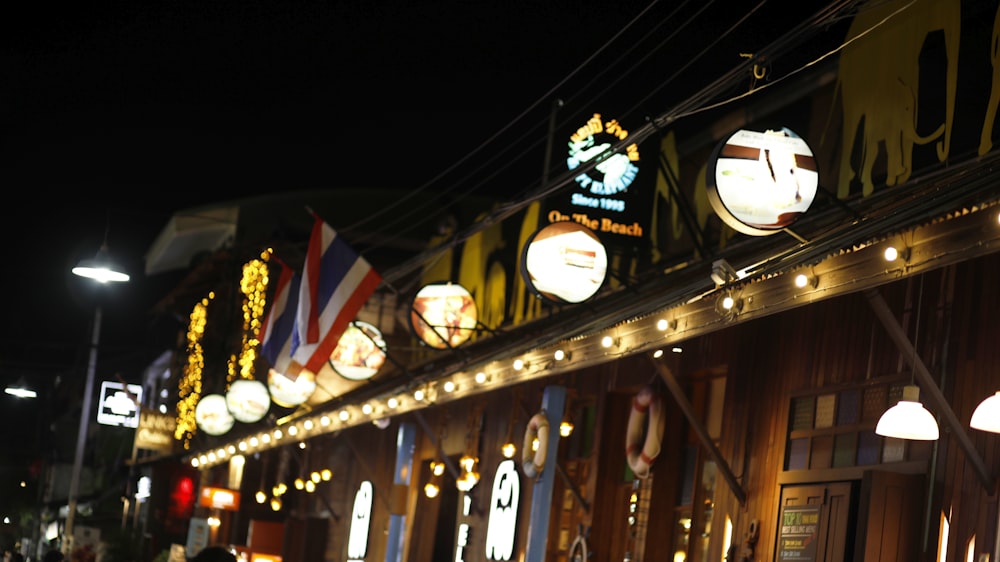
405, 439
554, 403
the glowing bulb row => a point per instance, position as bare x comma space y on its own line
458, 384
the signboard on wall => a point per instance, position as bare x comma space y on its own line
608, 194
120, 404
799, 533
155, 431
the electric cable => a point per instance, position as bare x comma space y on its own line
687, 107
485, 144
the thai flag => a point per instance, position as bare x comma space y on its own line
336, 283
278, 337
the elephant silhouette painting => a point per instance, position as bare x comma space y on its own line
879, 82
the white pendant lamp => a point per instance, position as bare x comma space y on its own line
987, 415
908, 419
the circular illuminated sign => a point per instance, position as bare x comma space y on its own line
760, 183
614, 172
564, 262
290, 392
360, 352
248, 400
212, 415
443, 315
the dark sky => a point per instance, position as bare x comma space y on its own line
113, 115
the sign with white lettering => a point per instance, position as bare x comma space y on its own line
503, 512
120, 404
219, 498
361, 516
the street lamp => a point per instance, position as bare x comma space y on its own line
102, 270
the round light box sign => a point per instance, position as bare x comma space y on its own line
443, 315
248, 400
564, 262
289, 392
212, 415
360, 352
761, 182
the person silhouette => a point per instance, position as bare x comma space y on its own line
215, 553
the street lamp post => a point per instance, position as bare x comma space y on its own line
102, 270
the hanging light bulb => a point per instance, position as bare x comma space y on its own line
987, 415
566, 427
508, 449
470, 477
431, 490
908, 419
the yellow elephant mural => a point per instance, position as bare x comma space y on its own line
879, 87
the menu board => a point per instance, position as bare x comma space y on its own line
799, 533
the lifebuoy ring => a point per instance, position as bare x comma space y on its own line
647, 403
578, 551
533, 462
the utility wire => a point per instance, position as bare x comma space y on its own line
688, 107
485, 144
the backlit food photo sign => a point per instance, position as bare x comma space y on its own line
600, 199
564, 262
248, 400
443, 315
360, 352
760, 183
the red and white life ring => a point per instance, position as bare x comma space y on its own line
647, 403
533, 461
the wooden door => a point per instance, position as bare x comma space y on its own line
891, 508
816, 523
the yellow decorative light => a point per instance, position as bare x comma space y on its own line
189, 388
253, 286
508, 449
566, 428
431, 490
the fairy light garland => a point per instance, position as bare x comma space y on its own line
189, 388
253, 286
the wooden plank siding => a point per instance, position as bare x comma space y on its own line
830, 347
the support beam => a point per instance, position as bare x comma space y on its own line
699, 429
929, 386
405, 445
553, 402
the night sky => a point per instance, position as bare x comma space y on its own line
114, 116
